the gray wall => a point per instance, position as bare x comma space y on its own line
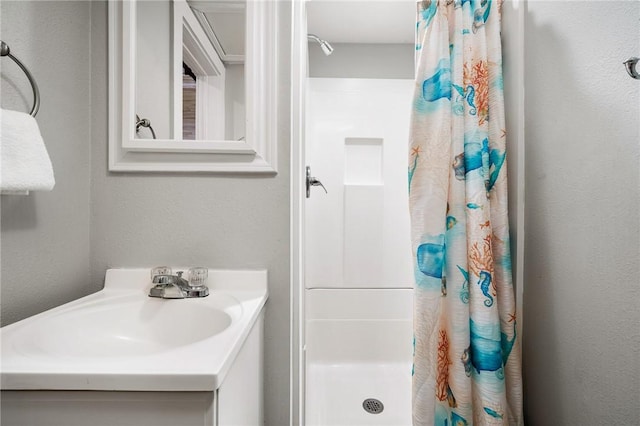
188, 219
582, 296
350, 60
582, 291
56, 246
45, 235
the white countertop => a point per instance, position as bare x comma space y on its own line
63, 348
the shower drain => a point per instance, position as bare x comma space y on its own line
373, 406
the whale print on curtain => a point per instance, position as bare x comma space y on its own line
467, 367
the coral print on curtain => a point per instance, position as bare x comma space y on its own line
467, 368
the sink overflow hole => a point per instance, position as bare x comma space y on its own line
373, 406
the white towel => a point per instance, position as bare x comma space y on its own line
25, 164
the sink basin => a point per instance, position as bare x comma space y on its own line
121, 339
127, 326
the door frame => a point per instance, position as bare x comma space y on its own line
297, 204
513, 28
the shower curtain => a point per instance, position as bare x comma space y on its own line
467, 367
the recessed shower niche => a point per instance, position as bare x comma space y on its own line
363, 158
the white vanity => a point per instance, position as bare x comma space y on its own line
119, 357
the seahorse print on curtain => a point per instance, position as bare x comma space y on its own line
467, 367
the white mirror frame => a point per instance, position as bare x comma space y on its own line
256, 154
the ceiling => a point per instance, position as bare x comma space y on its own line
229, 27
224, 22
337, 21
362, 21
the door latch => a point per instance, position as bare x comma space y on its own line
311, 181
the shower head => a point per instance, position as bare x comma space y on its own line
326, 47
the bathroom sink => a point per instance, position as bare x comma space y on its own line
128, 326
121, 339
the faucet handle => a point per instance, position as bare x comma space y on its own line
198, 277
161, 270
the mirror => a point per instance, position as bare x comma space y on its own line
180, 72
202, 96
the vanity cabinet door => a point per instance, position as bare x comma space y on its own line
97, 408
241, 395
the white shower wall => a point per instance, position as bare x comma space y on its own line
359, 273
357, 234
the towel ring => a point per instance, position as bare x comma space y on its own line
144, 122
630, 65
5, 51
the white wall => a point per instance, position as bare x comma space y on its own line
223, 221
582, 291
45, 235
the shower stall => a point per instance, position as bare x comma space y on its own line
352, 293
357, 293
358, 275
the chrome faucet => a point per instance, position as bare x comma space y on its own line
169, 286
